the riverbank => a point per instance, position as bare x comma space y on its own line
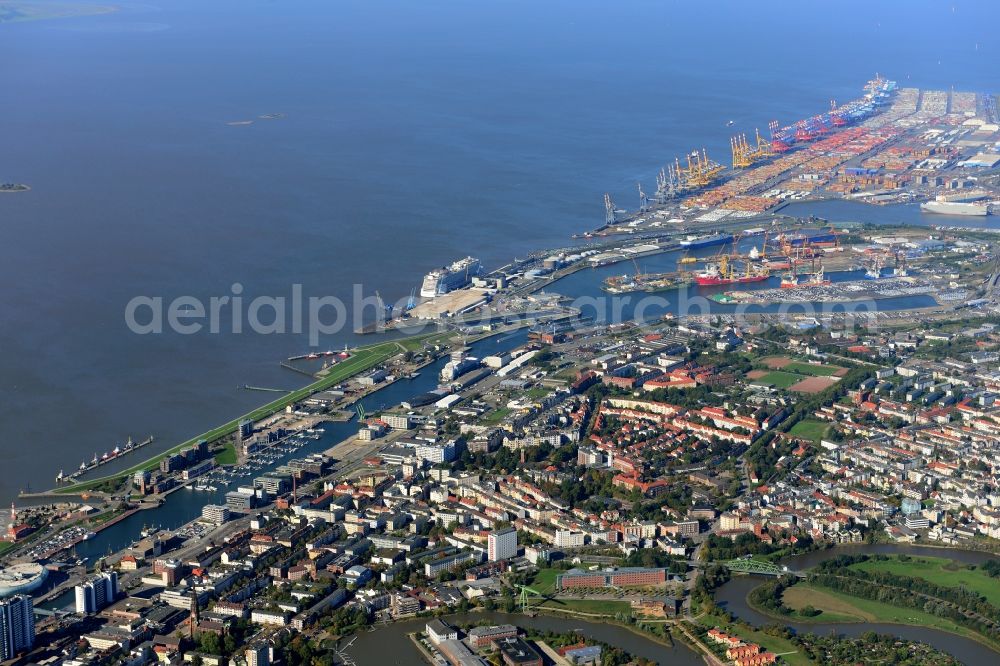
413, 636
390, 644
361, 360
839, 608
902, 622
777, 644
611, 620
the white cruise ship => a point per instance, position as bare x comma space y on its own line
442, 280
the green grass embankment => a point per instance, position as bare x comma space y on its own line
362, 360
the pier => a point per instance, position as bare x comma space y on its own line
247, 387
289, 366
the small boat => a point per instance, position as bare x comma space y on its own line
729, 124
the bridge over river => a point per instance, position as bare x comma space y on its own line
757, 567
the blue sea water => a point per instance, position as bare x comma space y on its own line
414, 133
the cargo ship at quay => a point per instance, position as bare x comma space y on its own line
648, 282
723, 272
823, 237
696, 242
794, 280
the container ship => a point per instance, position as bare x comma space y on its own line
695, 242
723, 273
442, 280
972, 208
805, 237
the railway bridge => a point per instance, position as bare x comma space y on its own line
757, 567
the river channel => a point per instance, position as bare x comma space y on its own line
391, 645
733, 597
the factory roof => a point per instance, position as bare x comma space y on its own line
988, 160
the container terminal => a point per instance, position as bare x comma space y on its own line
891, 145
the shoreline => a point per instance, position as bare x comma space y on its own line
420, 647
85, 486
786, 620
225, 429
605, 619
52, 11
833, 550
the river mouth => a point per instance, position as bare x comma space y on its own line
732, 596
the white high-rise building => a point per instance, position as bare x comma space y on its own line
258, 655
17, 626
96, 593
502, 544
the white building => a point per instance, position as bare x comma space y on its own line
266, 617
436, 453
502, 544
438, 631
215, 513
96, 593
569, 538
